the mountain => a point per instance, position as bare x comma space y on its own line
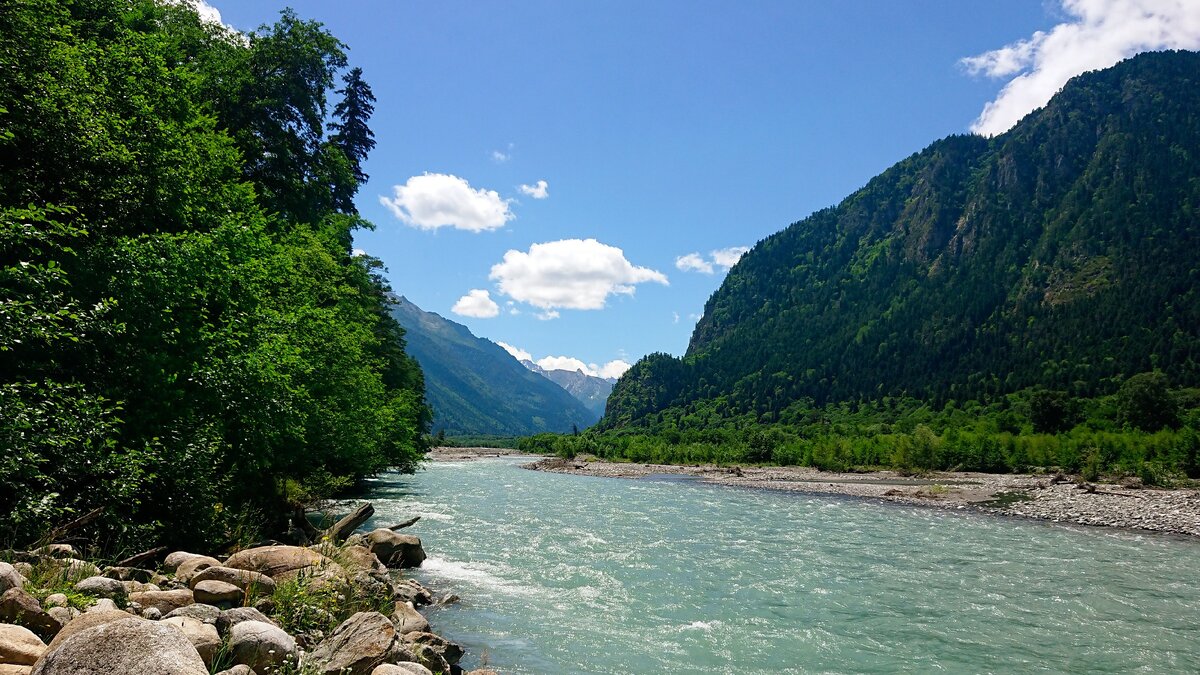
1063, 253
589, 390
475, 387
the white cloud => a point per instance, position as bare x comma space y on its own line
548, 315
569, 274
500, 157
611, 370
674, 317
434, 200
539, 190
476, 303
722, 257
728, 257
1097, 34
517, 353
358, 253
693, 262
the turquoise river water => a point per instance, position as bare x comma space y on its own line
571, 574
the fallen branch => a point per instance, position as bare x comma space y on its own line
53, 535
407, 523
135, 560
349, 523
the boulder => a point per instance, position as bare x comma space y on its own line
13, 669
63, 615
17, 606
239, 669
232, 617
203, 636
174, 560
430, 658
23, 568
129, 646
152, 613
19, 646
274, 561
193, 566
103, 604
408, 590
407, 619
396, 550
55, 551
10, 578
253, 583
139, 587
441, 645
71, 568
260, 645
102, 587
55, 600
357, 646
218, 593
163, 601
85, 621
403, 668
205, 613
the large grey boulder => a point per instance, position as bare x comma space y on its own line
14, 669
253, 583
19, 646
10, 578
358, 645
102, 587
164, 601
84, 622
449, 650
396, 550
232, 617
407, 590
174, 560
261, 646
205, 613
275, 561
407, 619
203, 636
239, 669
130, 646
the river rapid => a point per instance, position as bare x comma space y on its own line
573, 574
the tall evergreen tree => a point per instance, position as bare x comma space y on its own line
351, 134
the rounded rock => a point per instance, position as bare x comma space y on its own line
203, 636
403, 668
217, 593
10, 578
102, 587
19, 646
205, 613
130, 646
260, 645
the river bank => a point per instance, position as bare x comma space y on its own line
1061, 499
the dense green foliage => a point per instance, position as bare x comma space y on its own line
1061, 254
183, 328
477, 388
909, 435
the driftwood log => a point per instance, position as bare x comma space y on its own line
349, 523
59, 532
144, 556
408, 523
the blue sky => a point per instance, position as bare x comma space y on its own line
663, 129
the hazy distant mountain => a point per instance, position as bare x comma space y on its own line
475, 387
590, 390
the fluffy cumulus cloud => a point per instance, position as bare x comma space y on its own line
517, 353
722, 258
539, 190
434, 200
569, 274
477, 304
611, 370
1097, 34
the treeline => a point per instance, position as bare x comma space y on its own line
187, 341
1146, 429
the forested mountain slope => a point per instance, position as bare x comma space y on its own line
475, 387
1064, 253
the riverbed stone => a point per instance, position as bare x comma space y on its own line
56, 551
85, 621
407, 619
274, 561
206, 613
128, 574
10, 578
217, 593
260, 645
203, 636
394, 549
17, 606
255, 583
103, 605
239, 669
192, 566
232, 617
102, 587
449, 650
358, 645
55, 600
14, 669
407, 590
19, 645
130, 646
174, 560
402, 668
164, 601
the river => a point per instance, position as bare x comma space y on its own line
573, 574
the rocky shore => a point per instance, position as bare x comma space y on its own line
1061, 499
342, 606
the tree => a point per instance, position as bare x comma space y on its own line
1052, 412
1145, 403
351, 134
